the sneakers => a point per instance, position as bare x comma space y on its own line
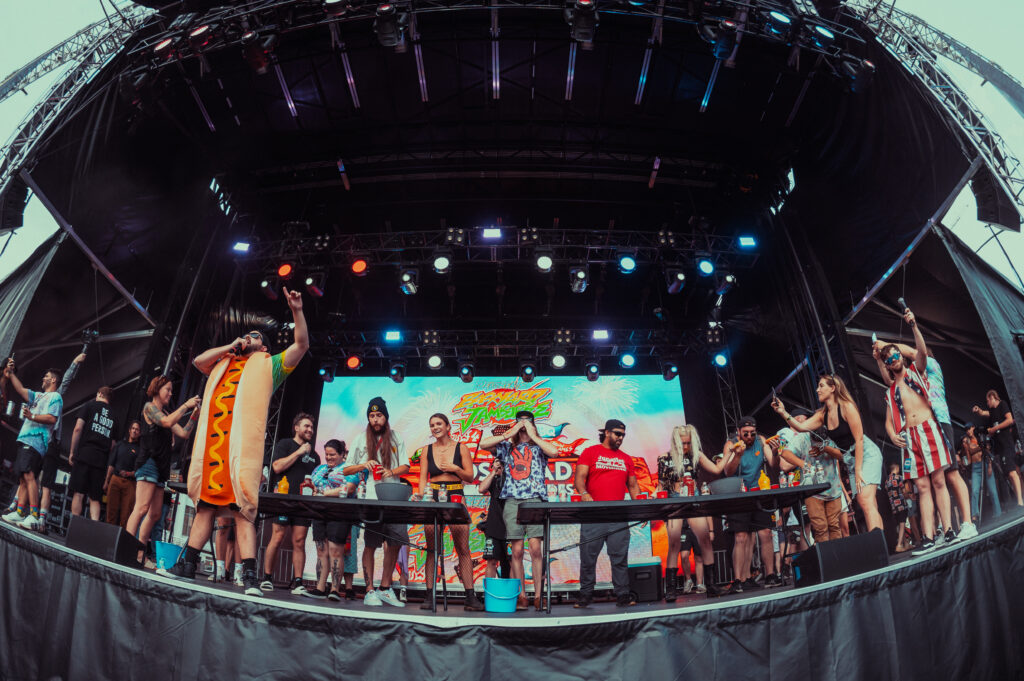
388, 596
583, 602
30, 522
735, 588
251, 583
238, 578
701, 589
296, 587
951, 538
428, 602
182, 570
625, 601
968, 531
265, 585
927, 546
13, 517
372, 599
472, 602
772, 581
333, 596
403, 594
217, 575
350, 594
688, 586
750, 584
316, 593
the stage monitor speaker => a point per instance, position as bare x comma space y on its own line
103, 540
645, 580
841, 558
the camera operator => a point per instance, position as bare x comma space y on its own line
1000, 428
974, 446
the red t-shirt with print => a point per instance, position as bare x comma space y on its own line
607, 472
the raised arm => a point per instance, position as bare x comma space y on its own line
545, 446
14, 381
812, 423
489, 443
185, 432
206, 360
157, 416
876, 352
488, 480
70, 374
920, 348
294, 352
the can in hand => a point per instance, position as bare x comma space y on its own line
662, 494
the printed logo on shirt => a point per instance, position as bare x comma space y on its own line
608, 463
522, 462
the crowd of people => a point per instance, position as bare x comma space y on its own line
227, 427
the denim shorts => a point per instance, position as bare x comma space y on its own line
148, 472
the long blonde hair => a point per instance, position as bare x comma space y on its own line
676, 448
843, 396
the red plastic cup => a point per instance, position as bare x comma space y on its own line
775, 486
642, 495
663, 494
455, 498
575, 497
378, 472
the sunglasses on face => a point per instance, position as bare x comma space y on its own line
255, 334
894, 357
618, 433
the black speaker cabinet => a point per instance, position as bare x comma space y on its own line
841, 558
103, 540
645, 581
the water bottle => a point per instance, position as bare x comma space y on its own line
561, 495
442, 494
743, 486
428, 495
783, 481
361, 491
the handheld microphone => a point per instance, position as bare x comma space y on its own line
903, 303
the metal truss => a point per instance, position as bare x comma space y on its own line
87, 52
915, 45
519, 244
729, 396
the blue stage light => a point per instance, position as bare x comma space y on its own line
241, 247
720, 359
627, 263
747, 242
705, 267
392, 336
627, 361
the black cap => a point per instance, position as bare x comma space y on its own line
800, 411
747, 422
524, 414
377, 404
614, 423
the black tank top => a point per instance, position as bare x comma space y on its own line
155, 444
432, 468
842, 435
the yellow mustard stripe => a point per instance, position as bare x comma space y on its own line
214, 451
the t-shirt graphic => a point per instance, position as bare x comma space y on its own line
526, 464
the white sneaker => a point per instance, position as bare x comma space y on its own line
968, 531
688, 586
13, 517
701, 589
403, 594
372, 599
30, 522
238, 577
388, 596
216, 576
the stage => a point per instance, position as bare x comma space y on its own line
908, 621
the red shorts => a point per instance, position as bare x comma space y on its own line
926, 451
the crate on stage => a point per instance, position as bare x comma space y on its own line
645, 580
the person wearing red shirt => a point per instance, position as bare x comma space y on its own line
605, 473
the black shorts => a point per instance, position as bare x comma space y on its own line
51, 462
495, 548
88, 480
900, 516
752, 521
289, 520
335, 531
687, 539
376, 534
27, 460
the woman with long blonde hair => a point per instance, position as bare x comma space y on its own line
841, 419
684, 456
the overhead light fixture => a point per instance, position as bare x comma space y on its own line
442, 260
705, 265
725, 283
435, 362
778, 25
666, 238
409, 280
491, 232
579, 278
859, 72
326, 371
285, 271
675, 279
360, 265
627, 360
389, 25
455, 236
715, 334
431, 337
592, 370
268, 286
397, 371
821, 37
583, 19
527, 370
321, 241
746, 241
199, 36
315, 284
354, 363
600, 334
335, 8
558, 360
669, 369
627, 262
528, 235
163, 48
720, 360
466, 371
257, 50
392, 336
241, 247
545, 259
721, 36
563, 336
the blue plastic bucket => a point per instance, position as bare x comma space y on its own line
167, 554
500, 595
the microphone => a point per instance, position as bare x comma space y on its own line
903, 304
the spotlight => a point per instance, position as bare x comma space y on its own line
563, 336
163, 48
409, 280
199, 36
715, 334
579, 277
442, 260
592, 370
434, 362
285, 271
527, 370
360, 266
747, 241
528, 235
675, 279
397, 371
583, 20
315, 284
455, 236
666, 238
859, 72
466, 371
241, 247
354, 363
600, 334
257, 51
720, 360
431, 337
269, 287
627, 263
558, 361
545, 259
627, 360
724, 284
389, 25
669, 370
335, 8
392, 336
778, 25
705, 266
321, 241
822, 37
327, 370
491, 232
721, 36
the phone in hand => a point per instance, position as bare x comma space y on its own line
874, 337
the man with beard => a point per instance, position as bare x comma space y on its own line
293, 460
227, 455
381, 448
911, 425
605, 473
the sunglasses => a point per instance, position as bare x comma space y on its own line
894, 357
619, 433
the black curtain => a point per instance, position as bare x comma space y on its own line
17, 291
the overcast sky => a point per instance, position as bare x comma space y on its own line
992, 27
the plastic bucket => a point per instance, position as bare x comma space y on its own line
500, 595
167, 554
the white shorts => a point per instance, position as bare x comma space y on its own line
926, 451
